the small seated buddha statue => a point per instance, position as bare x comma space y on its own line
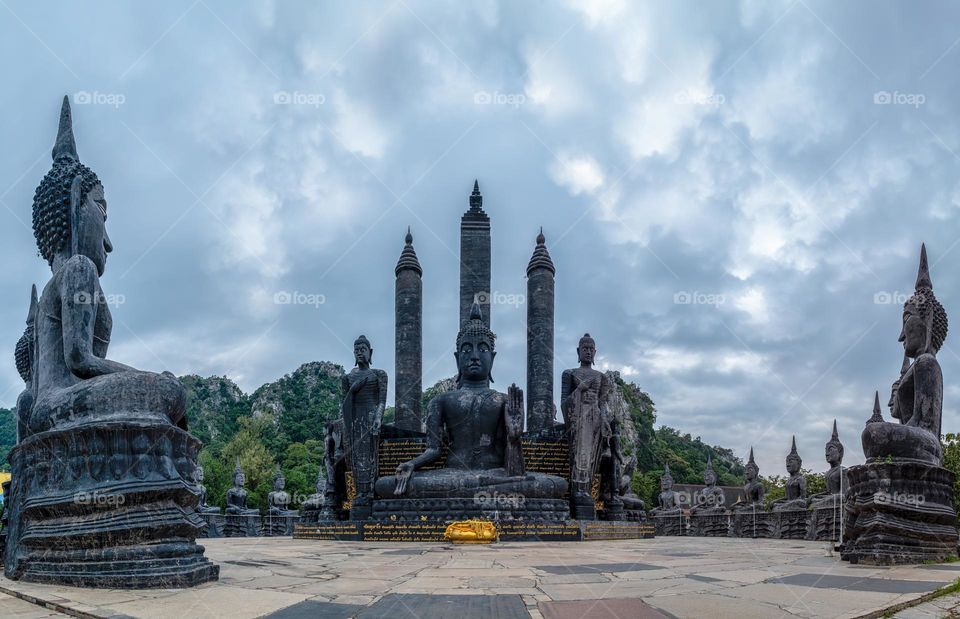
668, 501
796, 485
75, 382
753, 490
631, 502
202, 507
278, 501
917, 398
710, 499
835, 476
482, 429
237, 496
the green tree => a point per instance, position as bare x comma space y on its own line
255, 459
951, 461
300, 465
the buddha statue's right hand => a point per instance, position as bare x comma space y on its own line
404, 473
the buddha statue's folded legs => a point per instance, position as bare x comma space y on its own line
119, 396
456, 483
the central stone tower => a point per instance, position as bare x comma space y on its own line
475, 258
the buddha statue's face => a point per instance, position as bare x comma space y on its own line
752, 473
362, 353
833, 455
198, 474
93, 240
475, 358
914, 333
279, 483
586, 352
793, 466
239, 479
709, 478
665, 484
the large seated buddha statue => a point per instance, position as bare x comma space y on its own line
75, 382
917, 398
104, 493
899, 504
480, 428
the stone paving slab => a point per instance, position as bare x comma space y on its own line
284, 578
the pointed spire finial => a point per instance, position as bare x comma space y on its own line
541, 240
793, 445
923, 273
877, 417
835, 436
476, 200
65, 146
408, 257
751, 461
541, 257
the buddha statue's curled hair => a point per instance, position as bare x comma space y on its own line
51, 204
926, 304
22, 355
476, 326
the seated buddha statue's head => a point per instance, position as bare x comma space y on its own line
69, 208
475, 350
793, 458
924, 319
834, 448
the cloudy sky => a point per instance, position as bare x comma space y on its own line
734, 194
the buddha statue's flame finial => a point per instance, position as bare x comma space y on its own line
65, 146
923, 272
237, 468
666, 472
709, 462
835, 436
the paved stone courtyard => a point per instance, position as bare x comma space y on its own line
284, 578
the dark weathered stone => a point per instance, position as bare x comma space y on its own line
541, 411
475, 259
583, 401
826, 508
899, 507
103, 492
237, 494
364, 400
484, 462
409, 338
214, 524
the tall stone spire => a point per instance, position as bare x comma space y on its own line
540, 341
475, 258
409, 338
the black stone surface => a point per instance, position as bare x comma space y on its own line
312, 609
421, 606
475, 259
852, 583
540, 336
408, 327
597, 568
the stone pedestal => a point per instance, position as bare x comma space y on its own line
214, 525
279, 525
106, 505
899, 512
672, 524
791, 524
710, 524
749, 523
444, 510
825, 522
241, 526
